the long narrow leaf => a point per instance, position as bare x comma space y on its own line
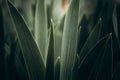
41, 32
91, 40
87, 63
57, 69
58, 37
106, 65
19, 63
33, 59
69, 41
50, 57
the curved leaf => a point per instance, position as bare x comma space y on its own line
87, 63
92, 39
32, 56
106, 65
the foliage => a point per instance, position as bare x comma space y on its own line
83, 46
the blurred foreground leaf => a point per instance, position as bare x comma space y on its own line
32, 56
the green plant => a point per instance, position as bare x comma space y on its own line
89, 51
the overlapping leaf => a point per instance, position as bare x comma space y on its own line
41, 29
91, 40
106, 65
58, 37
32, 56
103, 66
50, 57
88, 63
19, 64
69, 41
57, 69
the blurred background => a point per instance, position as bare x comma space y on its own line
55, 9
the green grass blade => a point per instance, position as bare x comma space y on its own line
92, 39
88, 62
106, 64
103, 66
41, 29
69, 41
33, 59
57, 68
19, 63
50, 57
58, 37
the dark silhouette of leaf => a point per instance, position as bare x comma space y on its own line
87, 63
92, 39
57, 69
50, 57
106, 65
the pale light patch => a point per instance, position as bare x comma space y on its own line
65, 4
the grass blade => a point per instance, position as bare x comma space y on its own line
50, 57
41, 30
58, 37
69, 41
57, 69
33, 59
21, 71
106, 64
87, 64
92, 39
